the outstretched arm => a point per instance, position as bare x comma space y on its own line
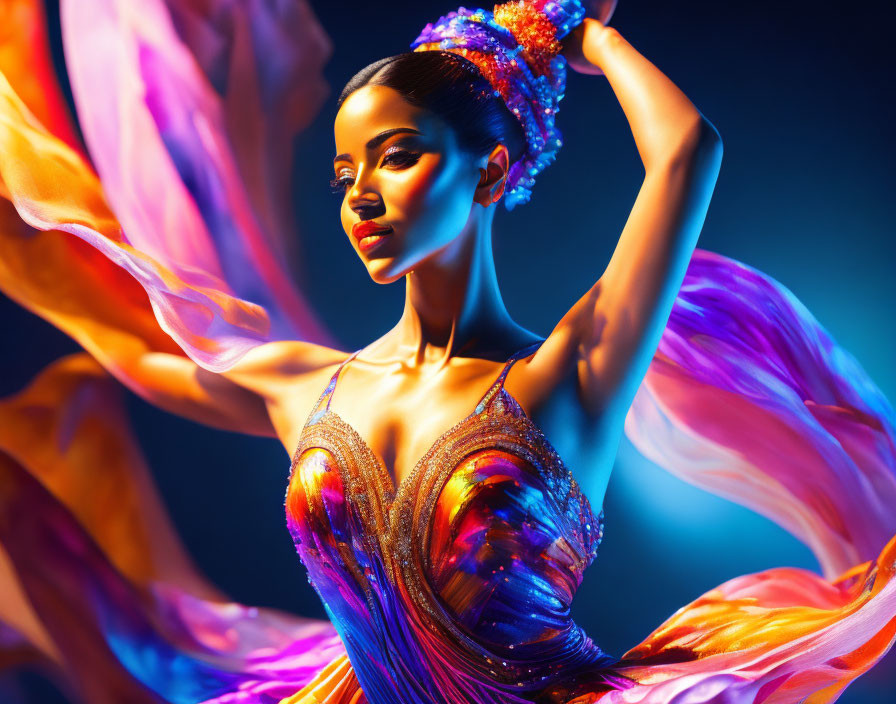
61, 279
48, 193
610, 335
155, 261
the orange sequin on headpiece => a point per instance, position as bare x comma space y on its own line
517, 50
532, 29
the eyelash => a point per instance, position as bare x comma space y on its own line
403, 157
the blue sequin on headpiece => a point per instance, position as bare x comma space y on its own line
516, 47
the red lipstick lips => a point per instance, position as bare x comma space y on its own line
369, 229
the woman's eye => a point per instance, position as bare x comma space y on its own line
393, 157
341, 183
400, 157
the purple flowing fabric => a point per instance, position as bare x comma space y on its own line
750, 398
198, 179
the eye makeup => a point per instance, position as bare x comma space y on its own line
400, 154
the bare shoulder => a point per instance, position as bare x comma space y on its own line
275, 369
289, 375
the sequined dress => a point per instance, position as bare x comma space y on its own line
457, 585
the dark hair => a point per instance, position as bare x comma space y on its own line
453, 88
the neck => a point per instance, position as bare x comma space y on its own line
453, 305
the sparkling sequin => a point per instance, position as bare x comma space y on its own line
517, 49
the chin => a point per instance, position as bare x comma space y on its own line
385, 270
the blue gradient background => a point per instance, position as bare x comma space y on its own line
804, 103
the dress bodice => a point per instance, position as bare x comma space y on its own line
456, 585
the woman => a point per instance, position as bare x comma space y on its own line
444, 534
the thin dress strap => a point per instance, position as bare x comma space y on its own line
327, 393
493, 390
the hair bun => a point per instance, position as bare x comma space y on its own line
517, 48
538, 26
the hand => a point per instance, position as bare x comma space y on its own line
580, 47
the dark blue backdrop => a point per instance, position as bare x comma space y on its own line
804, 103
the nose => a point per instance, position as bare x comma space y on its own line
363, 197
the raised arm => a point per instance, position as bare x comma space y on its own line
611, 333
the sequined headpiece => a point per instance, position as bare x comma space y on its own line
517, 49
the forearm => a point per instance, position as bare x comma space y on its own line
102, 308
664, 122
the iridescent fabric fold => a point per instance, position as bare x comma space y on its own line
94, 580
174, 211
750, 398
780, 635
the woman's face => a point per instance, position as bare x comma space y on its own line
403, 174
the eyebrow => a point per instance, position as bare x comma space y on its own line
378, 140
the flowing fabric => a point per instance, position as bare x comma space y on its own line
167, 231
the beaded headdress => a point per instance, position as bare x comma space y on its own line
517, 49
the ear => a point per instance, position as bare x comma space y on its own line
493, 177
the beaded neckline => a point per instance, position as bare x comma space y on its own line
397, 520
390, 490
